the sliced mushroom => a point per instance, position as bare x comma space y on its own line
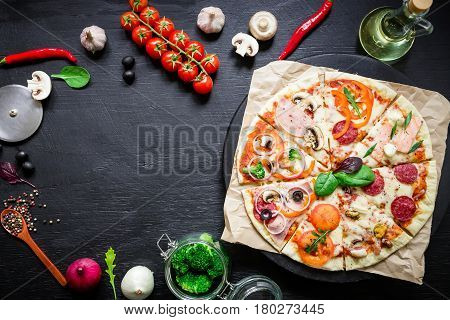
270, 196
40, 85
358, 252
299, 96
314, 138
311, 103
266, 141
245, 44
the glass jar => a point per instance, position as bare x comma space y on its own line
255, 287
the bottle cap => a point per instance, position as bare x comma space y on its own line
419, 6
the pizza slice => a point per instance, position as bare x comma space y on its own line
318, 240
400, 136
277, 209
265, 155
354, 105
406, 193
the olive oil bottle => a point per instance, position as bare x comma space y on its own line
387, 34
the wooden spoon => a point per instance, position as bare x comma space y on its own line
24, 235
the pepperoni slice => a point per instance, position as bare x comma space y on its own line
406, 173
349, 136
376, 187
403, 208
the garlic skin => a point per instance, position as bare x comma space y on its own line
93, 38
211, 20
138, 283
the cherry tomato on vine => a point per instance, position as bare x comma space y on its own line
211, 63
129, 20
179, 38
171, 61
203, 84
156, 47
187, 72
140, 35
164, 26
149, 15
195, 50
138, 5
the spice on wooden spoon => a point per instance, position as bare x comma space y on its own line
15, 224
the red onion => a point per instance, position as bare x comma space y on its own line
83, 274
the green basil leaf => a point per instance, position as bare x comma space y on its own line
415, 146
325, 184
361, 178
407, 120
352, 101
75, 77
370, 150
394, 130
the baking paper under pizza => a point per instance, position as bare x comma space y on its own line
339, 171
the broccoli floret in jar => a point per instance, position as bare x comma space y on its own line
216, 269
179, 261
199, 257
194, 283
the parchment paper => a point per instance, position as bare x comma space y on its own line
408, 263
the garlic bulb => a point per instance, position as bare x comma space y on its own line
211, 20
138, 283
93, 38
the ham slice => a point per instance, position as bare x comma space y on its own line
404, 139
381, 140
292, 118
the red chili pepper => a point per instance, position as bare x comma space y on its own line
38, 54
305, 28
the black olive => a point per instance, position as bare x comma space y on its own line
128, 62
297, 196
28, 167
128, 76
266, 214
21, 156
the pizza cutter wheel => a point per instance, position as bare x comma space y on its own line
20, 114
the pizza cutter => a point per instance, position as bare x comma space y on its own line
20, 114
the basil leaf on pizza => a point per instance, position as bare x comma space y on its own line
361, 178
325, 184
407, 120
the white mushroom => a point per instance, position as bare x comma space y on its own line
40, 85
211, 20
245, 44
263, 25
314, 138
299, 96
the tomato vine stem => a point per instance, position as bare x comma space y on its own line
172, 44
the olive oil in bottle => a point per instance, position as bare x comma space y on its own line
387, 34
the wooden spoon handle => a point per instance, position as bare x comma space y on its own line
46, 261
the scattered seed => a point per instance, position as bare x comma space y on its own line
58, 220
51, 222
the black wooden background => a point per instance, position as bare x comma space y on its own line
86, 151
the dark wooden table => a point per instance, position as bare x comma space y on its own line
90, 152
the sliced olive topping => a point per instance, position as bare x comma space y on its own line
266, 214
297, 196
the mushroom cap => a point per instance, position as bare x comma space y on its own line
245, 44
40, 85
263, 25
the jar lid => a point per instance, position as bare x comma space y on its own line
255, 287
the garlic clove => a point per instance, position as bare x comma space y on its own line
138, 283
211, 20
93, 38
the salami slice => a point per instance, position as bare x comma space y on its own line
261, 205
403, 208
406, 173
349, 136
376, 187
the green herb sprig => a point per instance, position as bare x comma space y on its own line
110, 256
415, 146
352, 101
407, 120
321, 237
370, 150
394, 130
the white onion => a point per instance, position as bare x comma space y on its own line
263, 153
276, 229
